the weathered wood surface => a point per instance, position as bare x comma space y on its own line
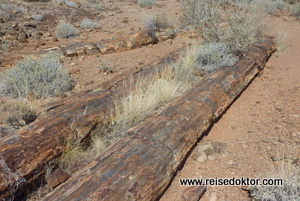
141, 165
121, 43
70, 119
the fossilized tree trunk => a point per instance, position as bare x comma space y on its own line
141, 165
27, 152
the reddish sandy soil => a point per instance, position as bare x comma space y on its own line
260, 126
261, 123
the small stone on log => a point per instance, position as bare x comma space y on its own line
57, 177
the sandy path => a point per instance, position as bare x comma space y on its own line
264, 119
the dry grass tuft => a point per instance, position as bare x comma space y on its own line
19, 113
287, 170
280, 41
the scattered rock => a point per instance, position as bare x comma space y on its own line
231, 162
244, 146
213, 197
125, 20
277, 109
57, 177
89, 83
80, 49
276, 158
210, 150
193, 193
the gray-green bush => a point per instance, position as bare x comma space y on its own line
271, 6
71, 4
289, 191
65, 30
44, 77
145, 3
88, 24
37, 17
296, 10
237, 26
212, 56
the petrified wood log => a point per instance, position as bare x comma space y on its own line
141, 165
121, 43
27, 152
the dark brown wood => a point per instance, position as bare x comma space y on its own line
194, 193
141, 165
121, 43
27, 152
57, 177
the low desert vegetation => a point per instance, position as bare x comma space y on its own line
237, 26
157, 22
37, 17
19, 113
42, 77
287, 170
36, 0
8, 174
105, 67
88, 24
145, 95
226, 33
6, 6
143, 98
154, 23
65, 30
212, 56
281, 41
145, 3
4, 45
71, 4
67, 3
94, 4
149, 93
296, 10
271, 6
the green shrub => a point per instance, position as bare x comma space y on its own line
145, 3
65, 30
19, 114
43, 77
88, 24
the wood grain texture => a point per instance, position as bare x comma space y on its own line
141, 165
27, 152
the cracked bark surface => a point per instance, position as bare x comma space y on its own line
141, 165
